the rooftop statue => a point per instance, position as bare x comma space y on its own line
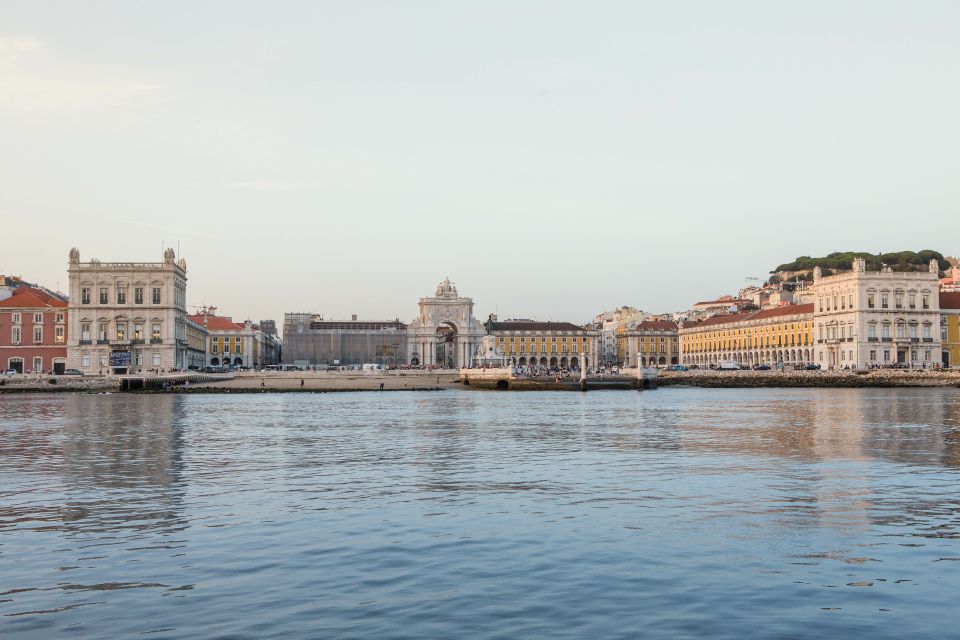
446, 290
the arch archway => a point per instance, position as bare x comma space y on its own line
574, 363
553, 361
447, 345
215, 362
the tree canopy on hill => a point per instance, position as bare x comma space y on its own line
899, 261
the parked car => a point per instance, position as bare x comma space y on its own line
729, 366
812, 367
678, 367
761, 367
72, 372
10, 372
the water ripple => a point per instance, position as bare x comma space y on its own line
679, 513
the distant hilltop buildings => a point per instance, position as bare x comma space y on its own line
122, 317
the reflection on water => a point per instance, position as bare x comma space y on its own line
800, 513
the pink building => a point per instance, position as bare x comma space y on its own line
33, 331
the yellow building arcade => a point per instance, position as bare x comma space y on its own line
770, 336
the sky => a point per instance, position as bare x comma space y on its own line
553, 159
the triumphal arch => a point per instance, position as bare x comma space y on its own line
445, 333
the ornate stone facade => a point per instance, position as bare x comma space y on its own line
877, 318
127, 316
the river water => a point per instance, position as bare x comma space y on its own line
467, 514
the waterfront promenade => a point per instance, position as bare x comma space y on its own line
411, 380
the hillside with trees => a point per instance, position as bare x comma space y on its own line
841, 261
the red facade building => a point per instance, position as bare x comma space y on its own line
33, 331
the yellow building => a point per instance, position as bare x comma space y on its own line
548, 344
771, 336
655, 341
950, 327
230, 343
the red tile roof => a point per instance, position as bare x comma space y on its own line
535, 326
949, 300
776, 312
31, 298
657, 325
216, 323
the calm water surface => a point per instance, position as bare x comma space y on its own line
676, 513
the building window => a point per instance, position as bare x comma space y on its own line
121, 331
214, 348
15, 335
103, 295
85, 331
59, 335
84, 296
102, 334
870, 301
872, 330
913, 301
38, 318
898, 300
156, 359
926, 301
156, 295
103, 360
885, 330
155, 331
139, 358
883, 301
900, 330
926, 355
15, 318
926, 331
37, 335
121, 296
59, 318
851, 300
886, 355
943, 333
873, 355
138, 295
85, 361
138, 331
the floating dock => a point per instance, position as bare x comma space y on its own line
167, 380
506, 379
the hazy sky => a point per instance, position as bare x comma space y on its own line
554, 159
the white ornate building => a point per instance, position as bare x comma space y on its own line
127, 316
445, 333
864, 318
